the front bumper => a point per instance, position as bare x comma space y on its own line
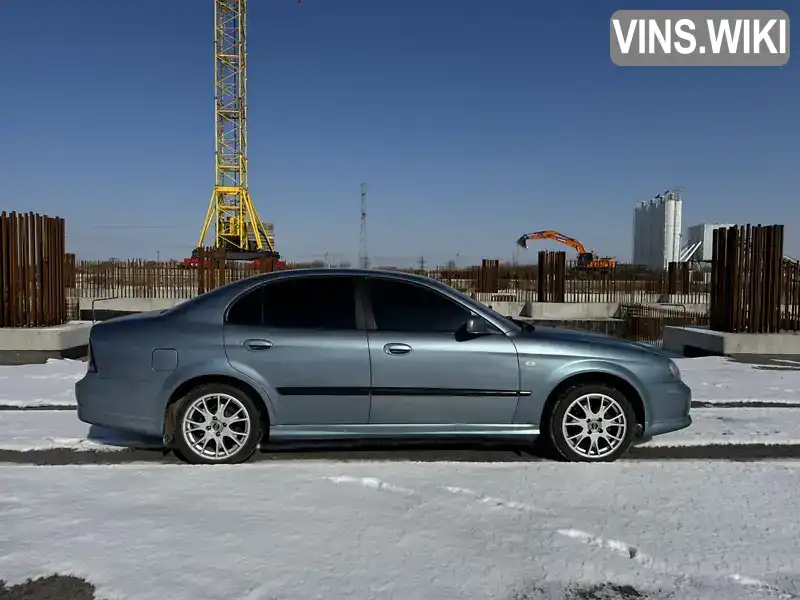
668, 409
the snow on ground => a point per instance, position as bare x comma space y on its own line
712, 379
42, 430
406, 531
716, 379
50, 384
722, 426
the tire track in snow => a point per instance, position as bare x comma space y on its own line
618, 547
493, 501
746, 581
373, 483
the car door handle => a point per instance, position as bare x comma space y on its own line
397, 348
257, 345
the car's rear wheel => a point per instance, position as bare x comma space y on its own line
217, 424
592, 423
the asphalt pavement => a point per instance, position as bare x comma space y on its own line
54, 587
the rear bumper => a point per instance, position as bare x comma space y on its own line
669, 407
116, 404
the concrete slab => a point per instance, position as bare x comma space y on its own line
20, 345
570, 311
102, 309
508, 309
768, 362
694, 341
128, 305
608, 326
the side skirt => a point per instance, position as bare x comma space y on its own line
388, 432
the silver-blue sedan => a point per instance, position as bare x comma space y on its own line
324, 354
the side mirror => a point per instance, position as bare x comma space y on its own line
476, 326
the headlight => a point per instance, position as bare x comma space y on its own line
676, 372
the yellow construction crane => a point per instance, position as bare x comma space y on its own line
238, 228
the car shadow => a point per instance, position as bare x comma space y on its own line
112, 445
413, 450
105, 439
117, 439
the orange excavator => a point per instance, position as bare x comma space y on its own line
586, 259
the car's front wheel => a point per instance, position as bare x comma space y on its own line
217, 424
592, 423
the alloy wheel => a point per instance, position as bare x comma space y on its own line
594, 425
216, 426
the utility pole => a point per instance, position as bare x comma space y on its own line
363, 253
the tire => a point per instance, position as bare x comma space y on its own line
238, 438
610, 440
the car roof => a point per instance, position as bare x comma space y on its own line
334, 272
316, 271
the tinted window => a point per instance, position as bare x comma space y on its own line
247, 309
299, 303
401, 306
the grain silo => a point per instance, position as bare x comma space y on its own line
657, 230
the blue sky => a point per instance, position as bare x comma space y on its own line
472, 122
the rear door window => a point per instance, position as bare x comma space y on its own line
299, 303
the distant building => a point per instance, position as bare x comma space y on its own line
700, 240
657, 230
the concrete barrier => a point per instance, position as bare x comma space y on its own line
507, 309
612, 327
28, 345
697, 341
570, 311
128, 305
